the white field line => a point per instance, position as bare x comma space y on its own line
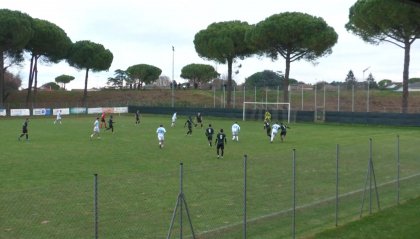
303, 206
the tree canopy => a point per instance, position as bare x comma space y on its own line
64, 79
11, 83
15, 33
89, 56
143, 73
51, 86
118, 80
224, 42
370, 80
384, 83
265, 78
377, 21
292, 36
49, 43
350, 80
198, 73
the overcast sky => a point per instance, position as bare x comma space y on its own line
143, 32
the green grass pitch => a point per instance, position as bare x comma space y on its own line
46, 184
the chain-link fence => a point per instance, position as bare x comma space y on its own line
284, 197
301, 97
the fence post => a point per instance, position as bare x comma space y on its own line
234, 97
294, 195
95, 202
315, 104
245, 189
181, 190
255, 96
398, 170
214, 96
244, 94
224, 96
336, 185
370, 176
302, 96
338, 98
352, 98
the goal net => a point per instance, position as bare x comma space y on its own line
256, 111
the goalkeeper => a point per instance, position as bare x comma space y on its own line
267, 116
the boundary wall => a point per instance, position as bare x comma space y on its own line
396, 119
377, 118
297, 116
64, 111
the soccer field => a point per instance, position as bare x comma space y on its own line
47, 183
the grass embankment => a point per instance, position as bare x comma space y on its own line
343, 100
402, 222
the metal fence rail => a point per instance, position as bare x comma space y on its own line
316, 98
289, 200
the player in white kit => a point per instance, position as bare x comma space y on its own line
235, 131
274, 130
161, 135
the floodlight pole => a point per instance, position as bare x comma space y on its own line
367, 103
173, 80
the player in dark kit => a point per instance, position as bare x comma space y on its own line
189, 123
24, 130
137, 117
220, 142
111, 124
283, 131
209, 134
267, 128
199, 119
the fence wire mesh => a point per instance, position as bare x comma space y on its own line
301, 97
142, 205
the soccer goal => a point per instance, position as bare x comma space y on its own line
279, 111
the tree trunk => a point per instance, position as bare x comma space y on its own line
229, 83
30, 81
36, 80
2, 78
286, 80
84, 99
405, 76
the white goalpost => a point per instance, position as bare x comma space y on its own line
265, 104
